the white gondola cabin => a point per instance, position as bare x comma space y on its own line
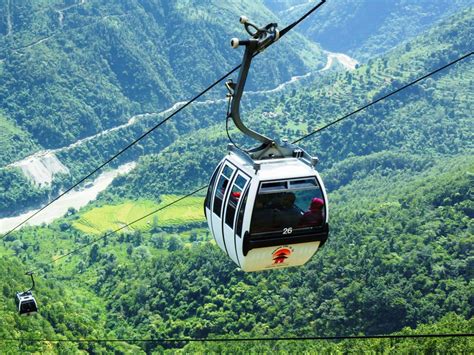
26, 303
267, 213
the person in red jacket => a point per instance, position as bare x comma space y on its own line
315, 215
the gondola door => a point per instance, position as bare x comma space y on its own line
221, 191
233, 203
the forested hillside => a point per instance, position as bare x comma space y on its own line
91, 66
399, 175
397, 257
70, 71
432, 118
367, 28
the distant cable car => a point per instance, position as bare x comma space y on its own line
25, 301
267, 207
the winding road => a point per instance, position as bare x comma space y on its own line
9, 18
61, 11
347, 62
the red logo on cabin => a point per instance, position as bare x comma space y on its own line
280, 255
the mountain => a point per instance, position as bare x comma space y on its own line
90, 66
367, 28
398, 260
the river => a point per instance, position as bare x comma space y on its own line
75, 199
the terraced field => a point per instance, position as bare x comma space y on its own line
110, 217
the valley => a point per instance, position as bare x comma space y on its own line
42, 166
399, 178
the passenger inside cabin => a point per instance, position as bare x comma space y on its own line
315, 215
288, 213
224, 185
262, 217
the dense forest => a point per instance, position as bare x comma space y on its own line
397, 258
399, 175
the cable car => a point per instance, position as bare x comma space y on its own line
265, 207
26, 302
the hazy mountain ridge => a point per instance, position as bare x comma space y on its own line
367, 28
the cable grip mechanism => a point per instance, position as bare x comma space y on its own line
32, 280
260, 38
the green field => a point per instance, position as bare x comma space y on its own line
110, 217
